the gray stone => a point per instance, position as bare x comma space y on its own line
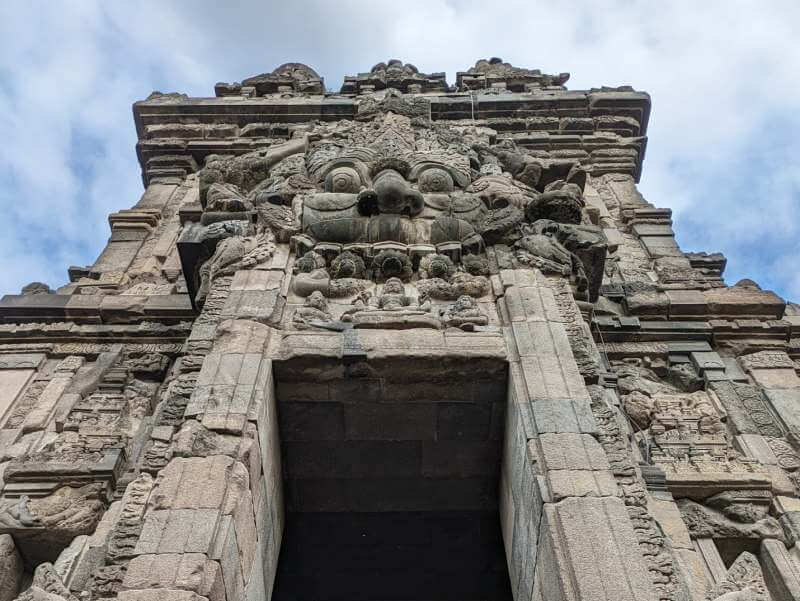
790, 522
664, 510
570, 451
160, 594
786, 403
177, 531
781, 571
11, 568
562, 484
170, 373
189, 571
559, 416
585, 540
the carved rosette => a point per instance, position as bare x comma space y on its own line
392, 264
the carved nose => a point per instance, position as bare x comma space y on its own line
395, 195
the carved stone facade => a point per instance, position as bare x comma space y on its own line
410, 340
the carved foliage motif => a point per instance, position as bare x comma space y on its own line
730, 522
767, 360
106, 580
47, 585
655, 548
25, 403
747, 409
744, 581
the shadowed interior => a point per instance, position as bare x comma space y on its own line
391, 486
392, 556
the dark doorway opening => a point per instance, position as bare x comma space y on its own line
392, 556
730, 548
391, 474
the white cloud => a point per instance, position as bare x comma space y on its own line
722, 76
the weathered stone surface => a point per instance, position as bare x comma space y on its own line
127, 527
583, 541
196, 483
160, 594
705, 522
785, 403
552, 416
781, 571
668, 516
10, 568
46, 585
177, 531
571, 452
744, 579
188, 571
790, 522
405, 300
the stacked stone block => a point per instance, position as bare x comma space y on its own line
438, 316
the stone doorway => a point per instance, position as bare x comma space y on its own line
391, 474
448, 555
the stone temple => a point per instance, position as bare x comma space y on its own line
411, 341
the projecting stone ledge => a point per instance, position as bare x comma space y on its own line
453, 354
95, 308
735, 302
584, 541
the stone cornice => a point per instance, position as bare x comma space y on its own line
177, 125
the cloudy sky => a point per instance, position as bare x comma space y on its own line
724, 76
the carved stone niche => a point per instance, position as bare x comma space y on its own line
197, 246
577, 251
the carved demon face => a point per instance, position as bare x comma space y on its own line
390, 188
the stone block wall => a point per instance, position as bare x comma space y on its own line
440, 322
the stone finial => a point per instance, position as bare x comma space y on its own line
494, 73
166, 97
394, 73
36, 288
747, 283
291, 78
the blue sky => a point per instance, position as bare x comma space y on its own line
724, 131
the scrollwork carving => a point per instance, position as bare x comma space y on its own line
744, 581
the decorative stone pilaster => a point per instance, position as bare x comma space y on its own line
564, 523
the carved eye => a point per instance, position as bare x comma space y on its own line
343, 179
435, 180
